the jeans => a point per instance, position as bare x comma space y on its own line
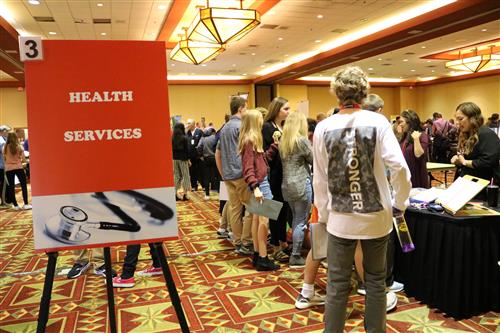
265, 188
300, 213
340, 259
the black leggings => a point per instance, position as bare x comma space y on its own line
11, 193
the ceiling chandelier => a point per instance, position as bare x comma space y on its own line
195, 52
210, 30
475, 63
223, 25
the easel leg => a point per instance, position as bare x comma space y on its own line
109, 289
43, 314
172, 290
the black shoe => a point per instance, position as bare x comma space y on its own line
255, 258
265, 264
101, 270
78, 269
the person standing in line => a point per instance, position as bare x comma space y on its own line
13, 154
351, 151
206, 149
272, 131
180, 154
296, 157
228, 162
3, 138
415, 146
255, 172
194, 135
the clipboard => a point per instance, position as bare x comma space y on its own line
460, 193
268, 208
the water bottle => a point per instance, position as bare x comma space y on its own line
403, 233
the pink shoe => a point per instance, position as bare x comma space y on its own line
151, 271
118, 282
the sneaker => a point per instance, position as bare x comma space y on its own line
396, 287
392, 301
243, 250
78, 269
27, 207
255, 258
222, 233
230, 236
361, 289
118, 282
296, 261
151, 271
265, 264
101, 270
303, 302
206, 198
16, 208
281, 256
324, 263
5, 206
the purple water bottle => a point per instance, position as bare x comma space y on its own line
403, 233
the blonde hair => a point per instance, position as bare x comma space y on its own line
294, 129
350, 84
251, 130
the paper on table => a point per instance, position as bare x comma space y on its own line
428, 195
460, 192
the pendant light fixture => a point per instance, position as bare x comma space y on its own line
195, 52
222, 25
475, 63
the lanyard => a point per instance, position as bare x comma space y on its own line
350, 106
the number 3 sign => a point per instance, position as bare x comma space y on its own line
30, 48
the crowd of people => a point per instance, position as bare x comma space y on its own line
352, 165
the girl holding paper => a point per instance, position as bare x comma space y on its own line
255, 173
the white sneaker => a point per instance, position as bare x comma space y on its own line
396, 287
5, 206
16, 208
27, 207
303, 302
324, 263
392, 301
206, 198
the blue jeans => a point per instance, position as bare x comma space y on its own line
265, 188
300, 213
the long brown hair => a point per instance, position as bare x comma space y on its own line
12, 143
467, 140
274, 108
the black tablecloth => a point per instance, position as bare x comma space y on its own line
454, 267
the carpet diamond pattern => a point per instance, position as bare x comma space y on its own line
219, 290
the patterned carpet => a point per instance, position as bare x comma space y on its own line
219, 290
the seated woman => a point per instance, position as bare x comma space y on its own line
478, 152
414, 143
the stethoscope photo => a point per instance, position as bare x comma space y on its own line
72, 224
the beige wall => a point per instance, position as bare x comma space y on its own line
209, 101
444, 98
13, 107
294, 94
212, 101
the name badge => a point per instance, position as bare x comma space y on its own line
192, 141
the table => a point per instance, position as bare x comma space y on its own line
433, 167
454, 267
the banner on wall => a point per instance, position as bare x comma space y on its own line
100, 144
